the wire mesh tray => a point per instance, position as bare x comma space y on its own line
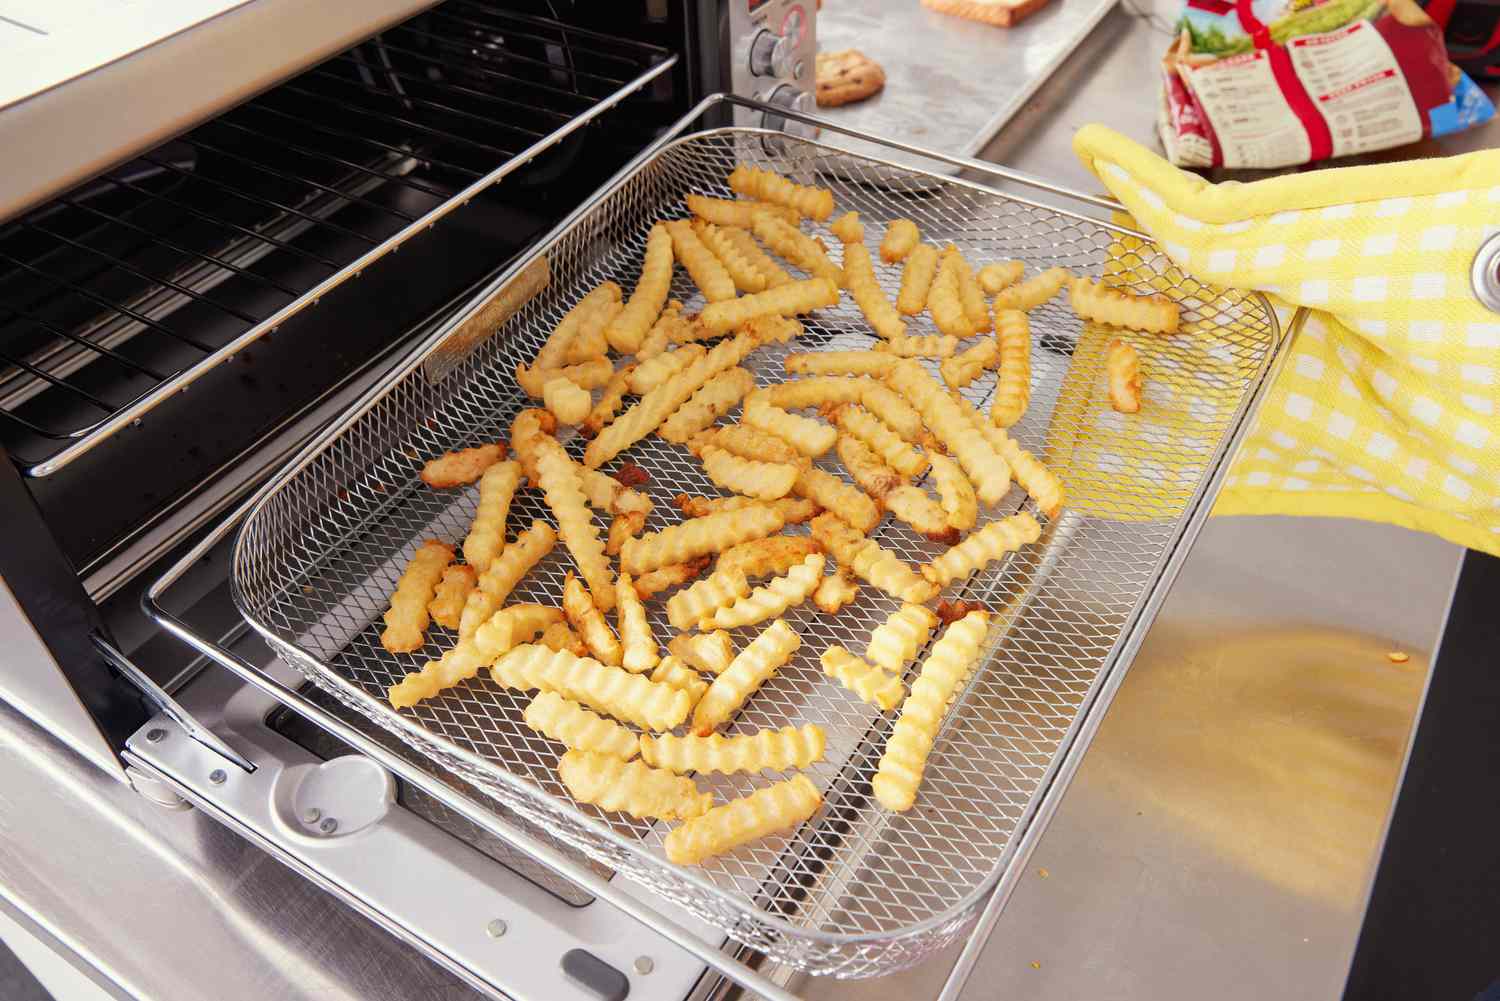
857, 891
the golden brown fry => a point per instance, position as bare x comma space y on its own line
591, 342
945, 301
1097, 302
798, 248
897, 640
653, 372
770, 599
795, 510
752, 182
765, 330
1000, 275
554, 353
916, 279
629, 327
569, 403
672, 671
810, 437
745, 245
761, 480
588, 375
610, 402
899, 415
699, 537
608, 495
796, 297
751, 668
975, 307
560, 636
1013, 387
747, 277
766, 557
406, 620
729, 212
775, 808
585, 616
455, 469
1124, 368
955, 492
527, 430
603, 688
447, 605
885, 443
504, 573
859, 276
713, 400
870, 474
487, 534
702, 266
870, 683
925, 346
992, 542
901, 238
658, 580
817, 391
631, 787
838, 363
943, 673
987, 470
873, 564
496, 635
1036, 479
669, 328
562, 485
835, 591
580, 729
764, 750
911, 505
623, 527
1033, 291
752, 443
966, 366
833, 494
635, 632
691, 604
711, 653
848, 229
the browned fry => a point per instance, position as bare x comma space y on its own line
623, 527
560, 636
796, 510
753, 443
952, 611
591, 342
527, 430
833, 494
872, 475
588, 375
609, 403
658, 580
455, 469
632, 475
447, 605
836, 590
767, 557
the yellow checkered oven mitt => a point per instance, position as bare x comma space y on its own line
1386, 407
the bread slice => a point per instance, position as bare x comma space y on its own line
1002, 13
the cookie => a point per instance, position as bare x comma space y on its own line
1002, 13
847, 76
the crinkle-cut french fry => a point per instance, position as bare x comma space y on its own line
505, 572
1000, 275
406, 620
554, 353
771, 599
987, 470
955, 492
752, 182
653, 372
916, 279
656, 406
833, 494
810, 437
447, 605
585, 375
835, 591
562, 485
900, 416
716, 398
527, 430
662, 578
635, 632
766, 557
1033, 291
885, 443
455, 469
603, 688
631, 787
817, 391
765, 330
945, 300
777, 807
799, 249
623, 527
718, 589
730, 212
1095, 301
761, 480
913, 506
560, 636
702, 266
896, 640
499, 633
747, 277
610, 402
795, 510
1036, 479
873, 564
975, 308
753, 443
580, 729
672, 670
784, 300
870, 474
1123, 367
764, 750
486, 536
964, 368
699, 537
608, 495
992, 542
1013, 387
745, 244
666, 330
711, 653
751, 668
848, 229
944, 671
591, 342
901, 238
869, 683
838, 363
585, 617
924, 346
569, 403
859, 276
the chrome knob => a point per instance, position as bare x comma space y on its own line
771, 55
787, 96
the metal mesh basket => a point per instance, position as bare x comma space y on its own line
857, 891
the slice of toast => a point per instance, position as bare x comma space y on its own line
1002, 13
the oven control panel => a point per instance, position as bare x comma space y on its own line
773, 46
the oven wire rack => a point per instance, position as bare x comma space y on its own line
857, 891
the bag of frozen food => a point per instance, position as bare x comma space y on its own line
1272, 83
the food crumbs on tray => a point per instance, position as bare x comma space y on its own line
1398, 657
1043, 873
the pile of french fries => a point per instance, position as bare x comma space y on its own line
880, 411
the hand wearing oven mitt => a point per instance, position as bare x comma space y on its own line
1388, 406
